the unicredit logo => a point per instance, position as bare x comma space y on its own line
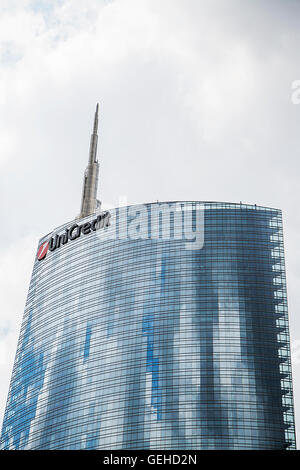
42, 251
72, 233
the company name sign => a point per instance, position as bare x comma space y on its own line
70, 234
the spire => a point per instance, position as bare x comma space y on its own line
96, 120
94, 138
89, 202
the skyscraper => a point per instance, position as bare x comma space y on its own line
155, 326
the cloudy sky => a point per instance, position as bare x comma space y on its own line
195, 104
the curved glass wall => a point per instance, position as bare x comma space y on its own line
134, 338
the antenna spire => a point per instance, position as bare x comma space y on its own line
89, 202
96, 120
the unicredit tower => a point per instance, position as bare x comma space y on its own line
155, 326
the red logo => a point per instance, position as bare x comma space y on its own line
42, 251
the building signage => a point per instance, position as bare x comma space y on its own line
75, 231
42, 251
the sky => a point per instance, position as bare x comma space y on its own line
197, 102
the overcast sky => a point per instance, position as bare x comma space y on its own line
195, 104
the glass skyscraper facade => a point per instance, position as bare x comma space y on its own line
131, 341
